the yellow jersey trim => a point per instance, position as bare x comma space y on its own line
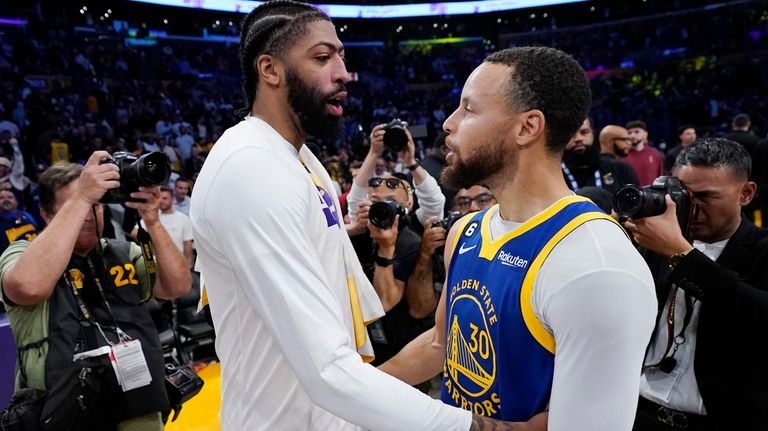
490, 247
537, 330
462, 224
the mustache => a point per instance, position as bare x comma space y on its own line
342, 88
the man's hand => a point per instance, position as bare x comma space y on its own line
536, 423
408, 155
385, 238
361, 225
96, 178
147, 209
377, 139
661, 233
433, 238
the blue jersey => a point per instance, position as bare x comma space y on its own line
499, 358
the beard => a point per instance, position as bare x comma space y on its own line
309, 105
589, 158
620, 152
485, 164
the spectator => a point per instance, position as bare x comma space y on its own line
615, 142
705, 361
645, 160
583, 167
687, 136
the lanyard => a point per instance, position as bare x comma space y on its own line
667, 361
85, 312
572, 179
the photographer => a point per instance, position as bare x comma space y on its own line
705, 367
431, 199
400, 263
70, 292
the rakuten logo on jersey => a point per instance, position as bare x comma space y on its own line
511, 260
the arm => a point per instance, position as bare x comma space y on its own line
359, 190
423, 357
389, 289
420, 290
431, 198
28, 282
601, 309
173, 276
189, 255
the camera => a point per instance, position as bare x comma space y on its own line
394, 135
382, 214
632, 201
149, 170
447, 222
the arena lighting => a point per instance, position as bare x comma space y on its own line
13, 21
374, 11
439, 41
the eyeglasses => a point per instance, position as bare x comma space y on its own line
483, 200
392, 183
622, 139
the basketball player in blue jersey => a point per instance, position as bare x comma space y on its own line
547, 305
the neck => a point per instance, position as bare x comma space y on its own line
639, 146
284, 121
167, 211
528, 188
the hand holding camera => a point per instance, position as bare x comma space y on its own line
434, 236
385, 236
661, 233
97, 179
146, 200
377, 139
661, 214
149, 170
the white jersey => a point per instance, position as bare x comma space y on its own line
271, 252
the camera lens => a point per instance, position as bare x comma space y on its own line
153, 169
395, 139
382, 215
628, 201
633, 201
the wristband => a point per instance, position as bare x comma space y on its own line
383, 261
413, 167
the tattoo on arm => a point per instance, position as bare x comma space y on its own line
482, 423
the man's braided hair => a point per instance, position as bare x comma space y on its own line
272, 28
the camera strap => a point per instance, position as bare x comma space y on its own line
572, 179
667, 361
148, 254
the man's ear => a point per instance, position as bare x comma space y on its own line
269, 69
747, 193
530, 128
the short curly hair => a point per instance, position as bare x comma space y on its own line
272, 28
551, 81
717, 153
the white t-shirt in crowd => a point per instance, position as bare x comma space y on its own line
272, 258
595, 294
178, 225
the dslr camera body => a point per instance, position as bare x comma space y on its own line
382, 214
394, 135
448, 221
149, 170
633, 201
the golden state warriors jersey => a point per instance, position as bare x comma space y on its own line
499, 358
